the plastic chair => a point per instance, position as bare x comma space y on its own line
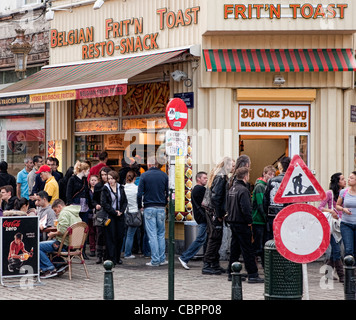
77, 234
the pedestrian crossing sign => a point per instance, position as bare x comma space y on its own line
299, 184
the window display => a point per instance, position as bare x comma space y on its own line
21, 137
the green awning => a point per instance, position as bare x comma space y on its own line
278, 60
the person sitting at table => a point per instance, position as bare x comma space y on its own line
21, 204
7, 197
67, 215
20, 208
45, 213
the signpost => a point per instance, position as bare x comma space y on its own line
176, 146
301, 231
176, 114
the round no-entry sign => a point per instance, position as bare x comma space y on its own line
301, 233
176, 114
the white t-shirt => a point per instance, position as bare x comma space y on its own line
131, 195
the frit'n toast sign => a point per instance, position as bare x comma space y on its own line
278, 11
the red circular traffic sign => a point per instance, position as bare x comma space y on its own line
176, 114
301, 233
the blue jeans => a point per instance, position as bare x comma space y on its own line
45, 248
335, 249
155, 229
348, 233
196, 244
130, 234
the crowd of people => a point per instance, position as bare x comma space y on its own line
222, 198
40, 189
225, 197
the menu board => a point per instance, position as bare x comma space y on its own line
187, 213
145, 98
102, 107
97, 126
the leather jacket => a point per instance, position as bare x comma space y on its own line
218, 195
238, 204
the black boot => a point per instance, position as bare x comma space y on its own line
208, 269
216, 265
339, 270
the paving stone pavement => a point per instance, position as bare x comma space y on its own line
133, 280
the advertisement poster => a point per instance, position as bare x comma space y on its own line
20, 246
179, 184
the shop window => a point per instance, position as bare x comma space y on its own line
21, 137
303, 148
10, 76
142, 108
145, 98
102, 107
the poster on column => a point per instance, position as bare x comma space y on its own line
19, 246
179, 184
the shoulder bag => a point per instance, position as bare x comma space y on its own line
101, 218
133, 219
206, 203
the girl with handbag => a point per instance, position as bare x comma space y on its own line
337, 183
78, 192
100, 237
113, 200
132, 209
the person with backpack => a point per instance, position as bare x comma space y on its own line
216, 189
258, 213
270, 207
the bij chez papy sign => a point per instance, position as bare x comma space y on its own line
124, 36
268, 117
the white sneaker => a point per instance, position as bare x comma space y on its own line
130, 257
151, 265
163, 263
184, 264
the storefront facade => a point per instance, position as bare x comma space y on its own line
264, 79
274, 71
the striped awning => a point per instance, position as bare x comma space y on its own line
86, 74
278, 60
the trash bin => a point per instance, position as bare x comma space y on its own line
190, 234
283, 278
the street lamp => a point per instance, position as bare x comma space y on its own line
20, 48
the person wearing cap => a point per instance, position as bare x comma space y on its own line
51, 185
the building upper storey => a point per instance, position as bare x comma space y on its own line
312, 16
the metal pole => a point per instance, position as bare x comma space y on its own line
108, 280
349, 284
171, 218
236, 289
171, 247
305, 281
